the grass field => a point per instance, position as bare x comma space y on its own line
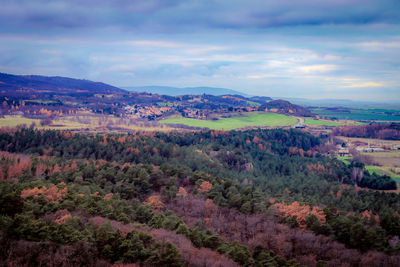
359, 114
369, 140
345, 159
255, 120
321, 122
90, 123
13, 121
384, 170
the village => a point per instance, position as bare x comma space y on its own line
364, 145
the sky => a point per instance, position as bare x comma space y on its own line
319, 49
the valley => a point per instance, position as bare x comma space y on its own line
191, 180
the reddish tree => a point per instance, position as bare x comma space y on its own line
205, 186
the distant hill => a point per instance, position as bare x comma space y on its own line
286, 107
25, 84
175, 91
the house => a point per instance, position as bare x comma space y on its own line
370, 149
343, 152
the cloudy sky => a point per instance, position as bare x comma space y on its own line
346, 49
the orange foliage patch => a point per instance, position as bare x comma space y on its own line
292, 151
108, 196
182, 192
40, 169
316, 167
301, 211
256, 140
122, 139
13, 165
368, 215
71, 167
133, 150
154, 202
53, 193
205, 186
63, 219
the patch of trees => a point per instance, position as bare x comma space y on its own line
286, 107
379, 131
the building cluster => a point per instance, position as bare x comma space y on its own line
343, 150
142, 111
195, 113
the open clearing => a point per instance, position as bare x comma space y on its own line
13, 121
370, 141
88, 123
392, 172
357, 114
321, 122
255, 120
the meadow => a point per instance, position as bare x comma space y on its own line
390, 171
358, 114
254, 120
313, 122
13, 121
99, 123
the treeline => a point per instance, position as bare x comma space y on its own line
256, 156
379, 131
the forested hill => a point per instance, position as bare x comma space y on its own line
249, 198
26, 84
286, 107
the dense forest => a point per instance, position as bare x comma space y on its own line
210, 198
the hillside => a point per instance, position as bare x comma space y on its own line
34, 84
285, 107
40, 97
210, 198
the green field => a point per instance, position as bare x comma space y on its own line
321, 122
345, 159
92, 123
358, 114
13, 121
383, 170
255, 120
253, 104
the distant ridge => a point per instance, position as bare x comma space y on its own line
45, 84
175, 91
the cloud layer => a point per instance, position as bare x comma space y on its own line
303, 48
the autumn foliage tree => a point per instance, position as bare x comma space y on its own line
154, 202
300, 212
51, 193
205, 186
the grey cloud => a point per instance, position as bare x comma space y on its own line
184, 15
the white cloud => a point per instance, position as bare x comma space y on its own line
318, 68
365, 84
